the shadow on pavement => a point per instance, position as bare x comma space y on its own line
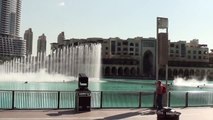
121, 116
67, 112
148, 112
130, 114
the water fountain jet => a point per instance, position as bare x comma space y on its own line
63, 64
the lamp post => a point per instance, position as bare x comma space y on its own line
162, 48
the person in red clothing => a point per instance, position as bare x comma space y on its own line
159, 94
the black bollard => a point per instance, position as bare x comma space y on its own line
83, 94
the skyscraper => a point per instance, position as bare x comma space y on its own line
11, 45
28, 36
10, 11
61, 37
41, 44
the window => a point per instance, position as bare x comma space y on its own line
189, 57
136, 44
106, 48
177, 51
199, 52
194, 52
177, 46
194, 57
131, 44
171, 51
125, 49
189, 51
118, 49
199, 57
125, 42
172, 45
119, 44
112, 46
131, 49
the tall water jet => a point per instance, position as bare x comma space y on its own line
66, 61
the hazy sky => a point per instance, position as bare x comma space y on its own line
188, 19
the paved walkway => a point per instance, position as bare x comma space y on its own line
193, 113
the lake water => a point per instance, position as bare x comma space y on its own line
103, 85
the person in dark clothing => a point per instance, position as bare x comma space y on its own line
159, 95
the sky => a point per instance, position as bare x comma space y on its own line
188, 19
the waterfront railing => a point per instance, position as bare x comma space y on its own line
35, 99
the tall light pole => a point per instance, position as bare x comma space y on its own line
162, 47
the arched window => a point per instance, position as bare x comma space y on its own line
133, 72
126, 71
120, 71
114, 71
107, 71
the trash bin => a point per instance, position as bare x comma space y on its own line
83, 94
83, 100
168, 114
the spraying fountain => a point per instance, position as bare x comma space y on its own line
63, 64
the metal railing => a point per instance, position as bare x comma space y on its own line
190, 99
22, 99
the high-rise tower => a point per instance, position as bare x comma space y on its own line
28, 36
61, 37
10, 11
11, 45
41, 44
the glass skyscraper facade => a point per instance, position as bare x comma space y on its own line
10, 17
11, 45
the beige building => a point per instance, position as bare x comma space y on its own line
136, 57
133, 57
188, 59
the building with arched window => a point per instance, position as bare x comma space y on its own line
188, 60
136, 58
133, 57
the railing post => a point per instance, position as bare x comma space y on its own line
101, 103
140, 94
58, 100
13, 99
186, 100
169, 99
154, 101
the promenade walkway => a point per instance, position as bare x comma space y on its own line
191, 113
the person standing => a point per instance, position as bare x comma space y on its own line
160, 90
